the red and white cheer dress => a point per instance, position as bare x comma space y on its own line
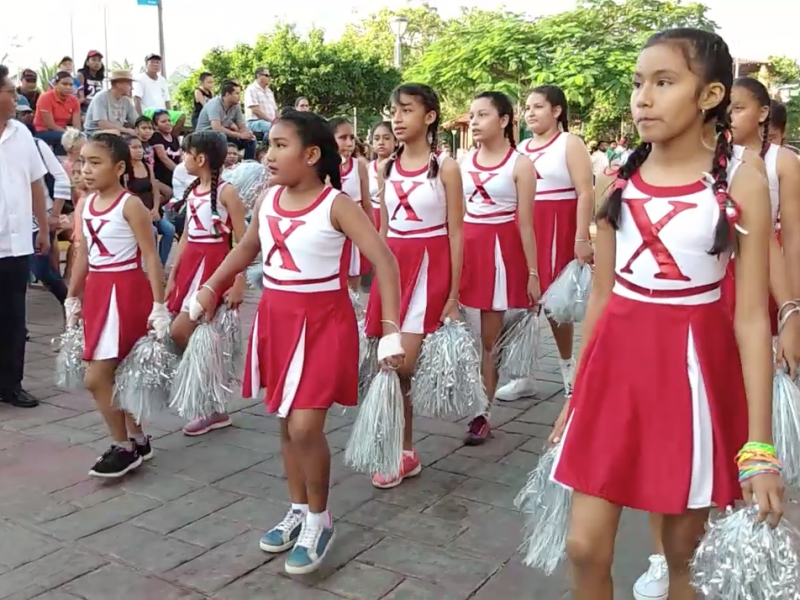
117, 297
208, 244
494, 275
351, 185
659, 409
555, 210
303, 348
417, 236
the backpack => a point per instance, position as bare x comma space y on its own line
49, 180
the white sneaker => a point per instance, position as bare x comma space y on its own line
519, 388
567, 374
653, 584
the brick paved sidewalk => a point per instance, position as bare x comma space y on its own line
187, 525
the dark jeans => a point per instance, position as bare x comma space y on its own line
52, 139
14, 272
43, 270
249, 147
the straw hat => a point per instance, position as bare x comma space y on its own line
120, 76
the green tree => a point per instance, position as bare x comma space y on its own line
46, 73
590, 52
785, 72
336, 77
124, 65
374, 37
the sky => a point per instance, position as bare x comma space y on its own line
40, 29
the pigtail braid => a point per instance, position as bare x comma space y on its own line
387, 168
765, 137
728, 210
508, 132
611, 210
433, 163
181, 204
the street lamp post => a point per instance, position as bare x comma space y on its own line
399, 26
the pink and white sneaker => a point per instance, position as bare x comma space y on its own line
411, 467
206, 424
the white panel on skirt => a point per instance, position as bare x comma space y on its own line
294, 375
108, 345
414, 321
195, 285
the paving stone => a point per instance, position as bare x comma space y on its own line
439, 427
252, 440
185, 510
224, 564
423, 490
89, 492
84, 421
545, 413
351, 493
487, 493
59, 433
34, 507
158, 485
514, 580
436, 447
457, 509
208, 461
24, 418
359, 581
255, 513
99, 517
414, 589
255, 419
253, 483
263, 585
423, 528
9, 439
454, 572
116, 581
374, 513
47, 573
141, 548
529, 429
19, 546
522, 460
210, 531
54, 595
500, 445
493, 535
175, 441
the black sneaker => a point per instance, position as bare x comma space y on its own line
145, 450
116, 462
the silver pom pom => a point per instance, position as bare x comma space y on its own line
376, 443
144, 378
251, 179
358, 305
546, 506
200, 389
447, 383
368, 366
69, 362
517, 346
230, 326
566, 299
786, 425
255, 275
742, 559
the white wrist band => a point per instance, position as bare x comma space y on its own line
390, 345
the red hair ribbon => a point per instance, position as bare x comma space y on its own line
727, 204
620, 183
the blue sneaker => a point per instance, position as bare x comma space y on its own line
310, 549
284, 535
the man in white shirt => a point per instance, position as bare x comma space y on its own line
180, 181
21, 197
260, 109
151, 93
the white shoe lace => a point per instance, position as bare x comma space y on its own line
290, 521
309, 535
658, 568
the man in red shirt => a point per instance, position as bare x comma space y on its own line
56, 110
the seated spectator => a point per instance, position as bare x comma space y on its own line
151, 93
224, 115
202, 94
28, 88
167, 149
259, 104
144, 131
25, 115
56, 110
91, 78
176, 209
68, 65
302, 104
261, 154
113, 109
232, 158
72, 141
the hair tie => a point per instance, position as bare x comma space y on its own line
620, 184
730, 207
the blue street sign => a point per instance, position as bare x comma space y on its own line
147, 2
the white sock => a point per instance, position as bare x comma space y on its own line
303, 508
566, 362
317, 520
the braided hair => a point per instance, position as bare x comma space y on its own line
215, 148
707, 55
314, 130
430, 102
502, 104
555, 97
760, 93
118, 148
777, 116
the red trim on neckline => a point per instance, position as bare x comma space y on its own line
303, 211
540, 148
494, 167
669, 191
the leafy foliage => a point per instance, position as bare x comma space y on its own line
785, 71
124, 65
46, 72
590, 52
335, 77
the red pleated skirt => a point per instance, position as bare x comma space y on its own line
633, 427
425, 273
729, 299
376, 217
111, 331
555, 223
303, 351
195, 255
494, 275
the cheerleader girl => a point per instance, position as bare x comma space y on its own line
304, 344
499, 270
355, 183
213, 210
563, 210
660, 382
115, 232
384, 144
422, 215
777, 123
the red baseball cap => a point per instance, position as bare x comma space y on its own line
94, 53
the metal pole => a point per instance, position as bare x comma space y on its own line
161, 37
72, 31
105, 33
398, 52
